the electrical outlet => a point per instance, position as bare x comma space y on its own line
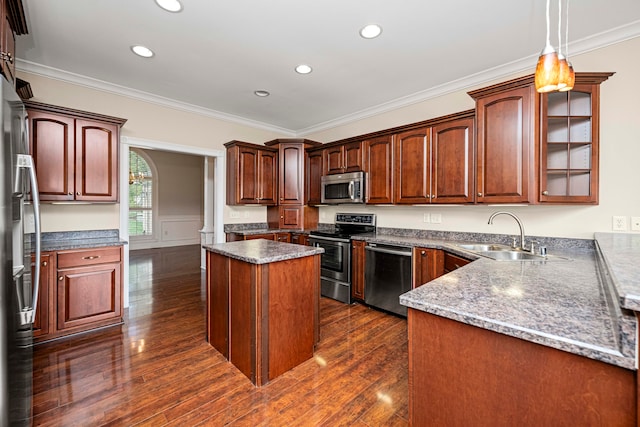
246, 214
635, 223
234, 214
426, 218
436, 218
619, 223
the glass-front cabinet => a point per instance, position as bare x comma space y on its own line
569, 143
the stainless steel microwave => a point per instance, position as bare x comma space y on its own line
343, 188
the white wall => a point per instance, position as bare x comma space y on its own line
619, 153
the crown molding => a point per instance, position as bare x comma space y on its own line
524, 65
91, 83
509, 70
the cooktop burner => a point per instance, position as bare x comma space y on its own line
348, 225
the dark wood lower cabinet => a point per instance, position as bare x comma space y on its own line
461, 375
84, 294
428, 264
264, 318
357, 269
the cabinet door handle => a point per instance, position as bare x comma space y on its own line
77, 193
44, 264
91, 257
479, 194
423, 253
61, 278
545, 193
69, 193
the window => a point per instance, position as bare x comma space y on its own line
140, 195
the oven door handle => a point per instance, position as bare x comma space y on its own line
388, 251
331, 239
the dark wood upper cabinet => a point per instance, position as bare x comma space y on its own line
75, 153
314, 169
291, 182
452, 161
569, 145
13, 23
506, 132
252, 174
343, 158
378, 165
411, 166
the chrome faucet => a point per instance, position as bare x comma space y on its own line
495, 214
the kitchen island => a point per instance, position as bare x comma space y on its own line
263, 305
528, 343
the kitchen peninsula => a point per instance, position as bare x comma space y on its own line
263, 305
542, 343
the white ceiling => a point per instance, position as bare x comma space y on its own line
211, 56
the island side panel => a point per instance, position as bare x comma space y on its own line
292, 313
464, 375
218, 302
242, 308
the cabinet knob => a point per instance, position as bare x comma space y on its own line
423, 253
61, 278
479, 194
44, 263
77, 193
69, 193
281, 216
545, 193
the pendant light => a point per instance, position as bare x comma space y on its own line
567, 75
563, 72
548, 67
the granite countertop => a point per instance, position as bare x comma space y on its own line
64, 240
262, 251
268, 230
620, 254
560, 304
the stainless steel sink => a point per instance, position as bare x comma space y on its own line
484, 247
506, 253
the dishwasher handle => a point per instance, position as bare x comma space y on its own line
387, 250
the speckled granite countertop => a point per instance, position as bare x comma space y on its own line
560, 304
621, 258
64, 240
262, 251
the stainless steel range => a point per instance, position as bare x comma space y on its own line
335, 262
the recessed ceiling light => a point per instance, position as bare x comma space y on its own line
143, 51
261, 93
371, 31
170, 5
303, 69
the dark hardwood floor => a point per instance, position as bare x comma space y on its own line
158, 369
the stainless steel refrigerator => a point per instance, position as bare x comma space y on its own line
20, 239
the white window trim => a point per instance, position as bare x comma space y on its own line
153, 237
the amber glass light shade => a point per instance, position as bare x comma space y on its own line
547, 70
568, 76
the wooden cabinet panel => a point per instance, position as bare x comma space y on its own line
75, 258
218, 302
75, 152
252, 174
12, 22
88, 294
292, 217
411, 164
506, 145
378, 165
452, 161
291, 183
300, 239
428, 264
51, 139
314, 170
343, 158
283, 237
357, 269
96, 161
570, 142
43, 322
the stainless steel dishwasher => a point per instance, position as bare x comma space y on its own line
387, 275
